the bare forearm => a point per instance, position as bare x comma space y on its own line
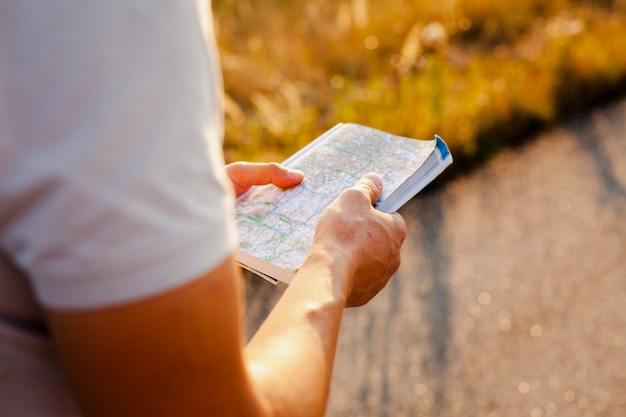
291, 357
186, 342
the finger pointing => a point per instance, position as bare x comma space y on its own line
372, 185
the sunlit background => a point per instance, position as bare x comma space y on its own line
511, 297
481, 73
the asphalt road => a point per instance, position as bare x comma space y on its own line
511, 298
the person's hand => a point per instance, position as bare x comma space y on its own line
244, 175
361, 240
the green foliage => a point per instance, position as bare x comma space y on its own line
481, 73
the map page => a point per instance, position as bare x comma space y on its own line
276, 226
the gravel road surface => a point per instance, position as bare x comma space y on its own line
511, 298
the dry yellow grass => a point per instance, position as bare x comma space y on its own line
480, 73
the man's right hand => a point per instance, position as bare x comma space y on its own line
363, 240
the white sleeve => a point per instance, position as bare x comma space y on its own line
112, 168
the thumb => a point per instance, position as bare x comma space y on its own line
372, 185
244, 175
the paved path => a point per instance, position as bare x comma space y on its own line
511, 299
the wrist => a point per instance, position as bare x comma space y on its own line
329, 268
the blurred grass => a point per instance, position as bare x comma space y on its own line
483, 74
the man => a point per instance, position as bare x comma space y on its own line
119, 294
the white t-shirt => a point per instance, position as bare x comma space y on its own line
111, 180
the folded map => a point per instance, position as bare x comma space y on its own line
276, 226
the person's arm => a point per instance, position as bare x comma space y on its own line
355, 252
181, 353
